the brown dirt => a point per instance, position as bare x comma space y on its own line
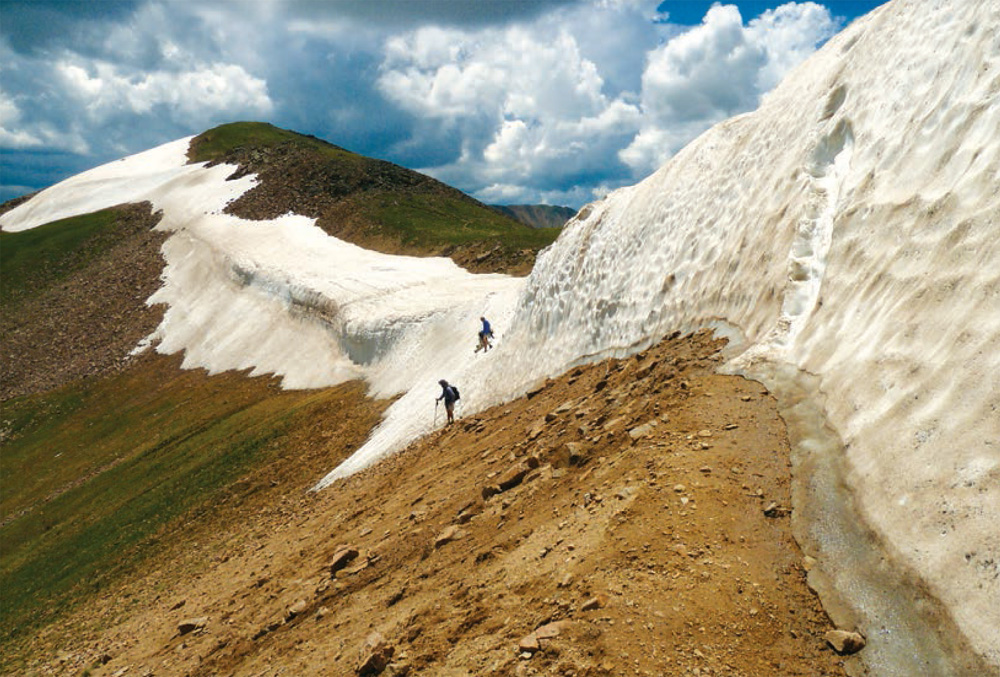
85, 325
650, 538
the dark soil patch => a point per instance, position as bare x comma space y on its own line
84, 323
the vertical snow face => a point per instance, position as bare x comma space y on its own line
849, 227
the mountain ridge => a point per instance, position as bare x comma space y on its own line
373, 203
538, 216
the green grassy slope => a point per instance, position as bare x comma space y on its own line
448, 220
538, 216
217, 143
35, 259
97, 473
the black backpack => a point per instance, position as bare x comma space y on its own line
455, 390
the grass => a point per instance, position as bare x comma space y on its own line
218, 141
421, 212
33, 260
445, 219
92, 473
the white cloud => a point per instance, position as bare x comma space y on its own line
105, 90
18, 134
789, 34
533, 108
651, 147
10, 120
708, 71
446, 73
569, 99
716, 70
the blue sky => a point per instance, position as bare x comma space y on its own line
512, 101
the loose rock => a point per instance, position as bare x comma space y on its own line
374, 655
191, 624
845, 642
529, 643
513, 477
577, 453
550, 630
451, 533
296, 609
642, 431
342, 558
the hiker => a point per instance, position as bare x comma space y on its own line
449, 394
484, 336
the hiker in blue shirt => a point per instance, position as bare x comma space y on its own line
484, 336
449, 394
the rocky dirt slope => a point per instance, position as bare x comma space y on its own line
86, 324
628, 518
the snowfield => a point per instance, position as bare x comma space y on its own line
848, 230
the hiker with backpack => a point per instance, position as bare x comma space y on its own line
449, 394
484, 336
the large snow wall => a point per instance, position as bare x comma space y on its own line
850, 227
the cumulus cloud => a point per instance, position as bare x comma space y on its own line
517, 72
789, 34
103, 90
117, 80
537, 101
12, 133
718, 69
535, 108
540, 109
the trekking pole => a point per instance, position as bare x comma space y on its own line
436, 402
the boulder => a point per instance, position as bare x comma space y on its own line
191, 624
490, 490
296, 609
642, 431
513, 476
578, 454
614, 424
374, 655
529, 644
342, 558
845, 642
450, 533
550, 630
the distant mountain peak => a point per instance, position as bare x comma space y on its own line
538, 216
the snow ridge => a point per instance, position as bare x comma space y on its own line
849, 228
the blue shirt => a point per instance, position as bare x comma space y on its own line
448, 393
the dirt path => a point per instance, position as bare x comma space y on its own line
643, 504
